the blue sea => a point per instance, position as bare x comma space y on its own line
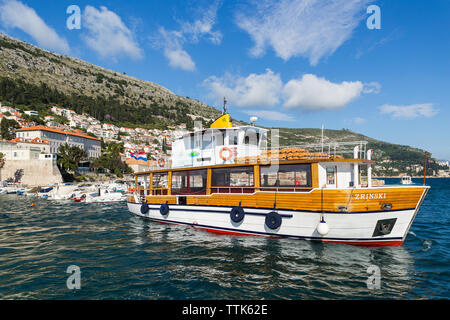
121, 256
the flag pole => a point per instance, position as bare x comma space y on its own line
425, 168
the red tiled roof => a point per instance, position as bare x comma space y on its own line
35, 140
42, 128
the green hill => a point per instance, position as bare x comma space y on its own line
30, 76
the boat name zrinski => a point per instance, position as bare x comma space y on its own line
370, 196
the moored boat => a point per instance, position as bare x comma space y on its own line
224, 179
101, 196
406, 180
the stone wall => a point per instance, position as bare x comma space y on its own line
35, 173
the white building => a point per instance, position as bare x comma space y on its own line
444, 163
16, 151
31, 113
57, 138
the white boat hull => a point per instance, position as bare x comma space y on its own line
351, 228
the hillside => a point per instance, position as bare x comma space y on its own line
36, 79
392, 159
27, 72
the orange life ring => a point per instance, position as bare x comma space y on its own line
229, 151
161, 162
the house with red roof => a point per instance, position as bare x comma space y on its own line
57, 137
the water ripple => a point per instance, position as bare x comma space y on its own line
122, 256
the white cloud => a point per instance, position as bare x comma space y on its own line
172, 44
359, 120
270, 115
178, 58
314, 93
108, 35
267, 90
409, 111
372, 87
172, 41
14, 14
301, 28
256, 90
203, 27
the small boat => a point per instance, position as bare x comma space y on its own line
62, 192
406, 180
11, 189
24, 191
101, 196
45, 192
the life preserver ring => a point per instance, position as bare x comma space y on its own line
144, 208
164, 209
230, 154
237, 214
273, 220
161, 162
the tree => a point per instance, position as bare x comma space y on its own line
2, 163
69, 157
8, 128
111, 159
164, 146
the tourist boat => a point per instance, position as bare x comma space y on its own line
406, 180
226, 179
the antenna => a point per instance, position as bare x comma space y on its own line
322, 137
224, 105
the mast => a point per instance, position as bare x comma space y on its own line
224, 110
425, 168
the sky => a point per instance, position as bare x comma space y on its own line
380, 68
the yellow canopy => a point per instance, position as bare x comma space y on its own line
222, 122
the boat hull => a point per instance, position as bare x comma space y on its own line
349, 228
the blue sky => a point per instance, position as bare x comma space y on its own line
292, 63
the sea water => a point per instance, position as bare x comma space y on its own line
122, 256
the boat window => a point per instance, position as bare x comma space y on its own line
233, 177
179, 181
232, 138
160, 180
188, 182
251, 137
206, 140
296, 175
331, 175
218, 138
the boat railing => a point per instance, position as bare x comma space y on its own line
325, 151
328, 150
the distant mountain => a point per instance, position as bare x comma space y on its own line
108, 95
391, 159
